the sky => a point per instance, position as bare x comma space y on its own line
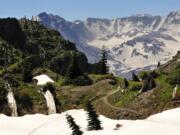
82, 9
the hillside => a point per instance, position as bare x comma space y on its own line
27, 48
30, 38
38, 50
141, 39
113, 100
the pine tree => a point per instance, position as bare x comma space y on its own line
75, 128
159, 64
152, 83
104, 69
27, 72
73, 70
135, 77
148, 84
126, 83
93, 121
145, 85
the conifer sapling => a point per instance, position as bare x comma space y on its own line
75, 128
93, 119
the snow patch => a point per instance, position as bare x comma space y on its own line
43, 79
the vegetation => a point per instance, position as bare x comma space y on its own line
75, 128
27, 73
26, 46
35, 50
10, 31
148, 84
143, 75
135, 86
174, 76
101, 67
3, 100
93, 122
135, 77
125, 84
50, 87
75, 76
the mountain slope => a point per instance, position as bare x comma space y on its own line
133, 43
28, 48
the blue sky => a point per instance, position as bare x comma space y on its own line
81, 9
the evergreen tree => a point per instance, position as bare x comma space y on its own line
27, 72
148, 84
145, 85
104, 69
152, 83
73, 70
75, 128
126, 83
135, 77
75, 76
93, 121
159, 64
143, 75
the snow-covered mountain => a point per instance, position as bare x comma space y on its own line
133, 43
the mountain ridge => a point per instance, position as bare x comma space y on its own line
147, 30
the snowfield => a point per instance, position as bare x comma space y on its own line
165, 123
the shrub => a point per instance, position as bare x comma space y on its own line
24, 99
125, 83
50, 87
82, 80
99, 77
12, 80
27, 73
135, 77
3, 93
148, 84
135, 86
143, 75
174, 76
153, 74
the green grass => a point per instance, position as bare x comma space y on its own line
161, 95
164, 90
126, 99
120, 99
98, 77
